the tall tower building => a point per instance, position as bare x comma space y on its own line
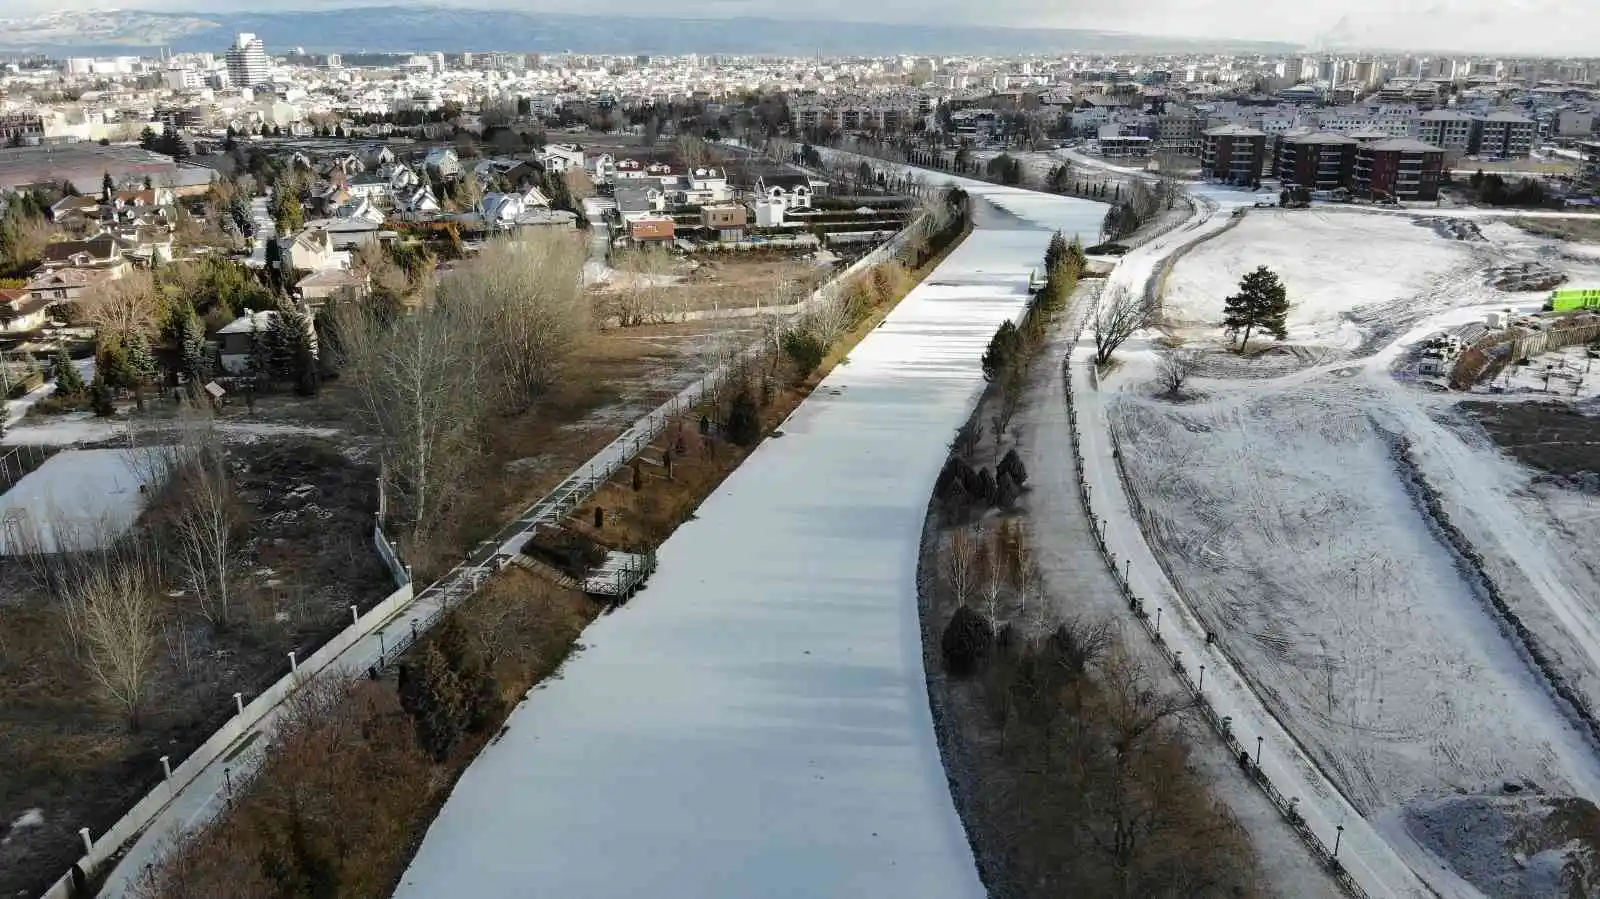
247, 61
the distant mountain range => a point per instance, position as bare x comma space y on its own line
418, 28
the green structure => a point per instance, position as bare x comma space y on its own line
1567, 299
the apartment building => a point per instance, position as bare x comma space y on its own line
1233, 154
1180, 129
1447, 130
1399, 168
1317, 160
1504, 135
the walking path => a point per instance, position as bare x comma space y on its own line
756, 721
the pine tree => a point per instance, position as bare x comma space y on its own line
260, 367
111, 364
279, 344
1055, 252
69, 382
191, 337
1005, 348
434, 697
1076, 254
100, 400
107, 186
1261, 303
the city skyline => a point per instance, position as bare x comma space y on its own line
1477, 26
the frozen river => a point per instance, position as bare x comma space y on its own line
755, 722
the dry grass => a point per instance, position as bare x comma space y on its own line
1579, 229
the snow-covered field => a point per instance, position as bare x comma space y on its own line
1283, 516
755, 722
1332, 265
76, 499
1278, 505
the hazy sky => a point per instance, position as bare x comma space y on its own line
1488, 26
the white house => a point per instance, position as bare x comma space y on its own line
707, 186
501, 211
794, 191
374, 189
602, 166
560, 157
444, 162
769, 213
418, 201
311, 250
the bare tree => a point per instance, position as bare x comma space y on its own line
992, 577
961, 565
205, 520
420, 380
1119, 313
125, 307
522, 304
639, 292
1174, 369
115, 610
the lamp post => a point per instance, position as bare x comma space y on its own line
1158, 621
1202, 684
1258, 751
1338, 837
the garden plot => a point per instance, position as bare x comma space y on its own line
1349, 276
1281, 512
76, 500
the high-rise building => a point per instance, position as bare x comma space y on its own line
1293, 69
247, 61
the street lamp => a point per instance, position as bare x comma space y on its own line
1258, 751
1158, 621
1202, 685
1338, 837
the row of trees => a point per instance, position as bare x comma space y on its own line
492, 340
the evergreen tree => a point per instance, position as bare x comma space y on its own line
339, 131
279, 345
190, 334
107, 186
1261, 303
100, 400
68, 380
1076, 254
147, 138
260, 367
111, 364
1005, 349
434, 697
1055, 252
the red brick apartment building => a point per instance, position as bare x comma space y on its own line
1401, 168
1233, 154
1318, 160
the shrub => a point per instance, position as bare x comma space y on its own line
966, 642
743, 424
437, 702
1012, 465
805, 349
1005, 348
